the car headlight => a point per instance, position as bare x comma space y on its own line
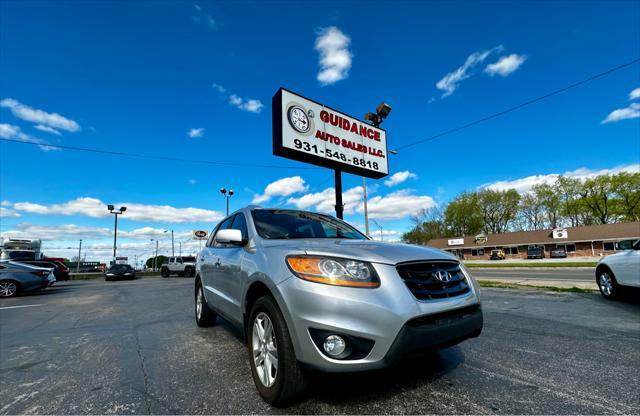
334, 271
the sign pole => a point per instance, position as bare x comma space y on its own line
339, 206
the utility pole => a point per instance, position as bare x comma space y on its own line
172, 246
380, 227
339, 205
366, 212
79, 257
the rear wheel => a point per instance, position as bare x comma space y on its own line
164, 272
205, 316
8, 288
607, 284
189, 272
275, 369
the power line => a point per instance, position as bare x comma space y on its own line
519, 106
167, 158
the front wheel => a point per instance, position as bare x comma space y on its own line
274, 367
205, 316
607, 284
8, 289
164, 272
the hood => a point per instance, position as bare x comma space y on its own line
365, 250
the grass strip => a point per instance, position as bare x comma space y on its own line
503, 285
498, 265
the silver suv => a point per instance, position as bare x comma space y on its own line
310, 290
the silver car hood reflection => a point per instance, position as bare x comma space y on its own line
365, 250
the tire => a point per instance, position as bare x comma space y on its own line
287, 383
164, 272
609, 288
9, 288
189, 272
205, 316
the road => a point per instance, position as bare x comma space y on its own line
548, 273
133, 348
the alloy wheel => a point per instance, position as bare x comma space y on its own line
8, 289
265, 350
606, 284
199, 303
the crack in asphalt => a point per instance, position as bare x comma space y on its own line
144, 374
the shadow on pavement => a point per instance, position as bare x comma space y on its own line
348, 388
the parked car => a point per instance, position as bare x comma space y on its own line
558, 253
535, 252
309, 289
497, 255
16, 278
182, 266
119, 272
60, 271
619, 272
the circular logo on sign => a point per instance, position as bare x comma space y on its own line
299, 118
200, 234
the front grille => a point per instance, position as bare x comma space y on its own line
420, 278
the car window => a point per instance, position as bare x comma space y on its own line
287, 224
240, 223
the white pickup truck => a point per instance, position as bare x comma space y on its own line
181, 265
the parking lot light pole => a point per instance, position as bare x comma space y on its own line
115, 228
227, 194
79, 256
155, 259
172, 246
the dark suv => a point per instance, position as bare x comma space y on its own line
535, 252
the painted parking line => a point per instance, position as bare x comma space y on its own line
18, 306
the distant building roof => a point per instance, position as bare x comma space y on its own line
603, 232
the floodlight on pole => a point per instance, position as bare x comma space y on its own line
112, 210
227, 194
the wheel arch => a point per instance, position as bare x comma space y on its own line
604, 267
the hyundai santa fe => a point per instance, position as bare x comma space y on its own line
309, 290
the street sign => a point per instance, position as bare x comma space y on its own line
311, 132
199, 234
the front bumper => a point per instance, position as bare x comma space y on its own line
390, 316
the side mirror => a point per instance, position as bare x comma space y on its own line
230, 236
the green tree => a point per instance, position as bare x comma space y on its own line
532, 212
428, 224
626, 189
572, 208
549, 199
597, 195
463, 215
499, 209
149, 262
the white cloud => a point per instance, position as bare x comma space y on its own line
523, 185
397, 205
281, 187
246, 104
634, 94
630, 112
47, 129
450, 82
505, 65
24, 112
93, 207
204, 17
57, 232
9, 131
8, 213
221, 89
335, 57
399, 177
193, 133
5, 203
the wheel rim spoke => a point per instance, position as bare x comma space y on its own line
265, 353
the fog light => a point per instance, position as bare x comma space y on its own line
334, 345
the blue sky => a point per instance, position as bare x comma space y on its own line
139, 77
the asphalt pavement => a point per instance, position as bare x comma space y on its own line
133, 348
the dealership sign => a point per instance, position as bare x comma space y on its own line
308, 131
455, 241
199, 234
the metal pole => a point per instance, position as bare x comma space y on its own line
227, 198
155, 259
339, 206
79, 257
180, 245
366, 212
115, 234
173, 254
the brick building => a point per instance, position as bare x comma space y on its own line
591, 241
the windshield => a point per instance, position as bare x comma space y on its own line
190, 259
285, 224
120, 268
